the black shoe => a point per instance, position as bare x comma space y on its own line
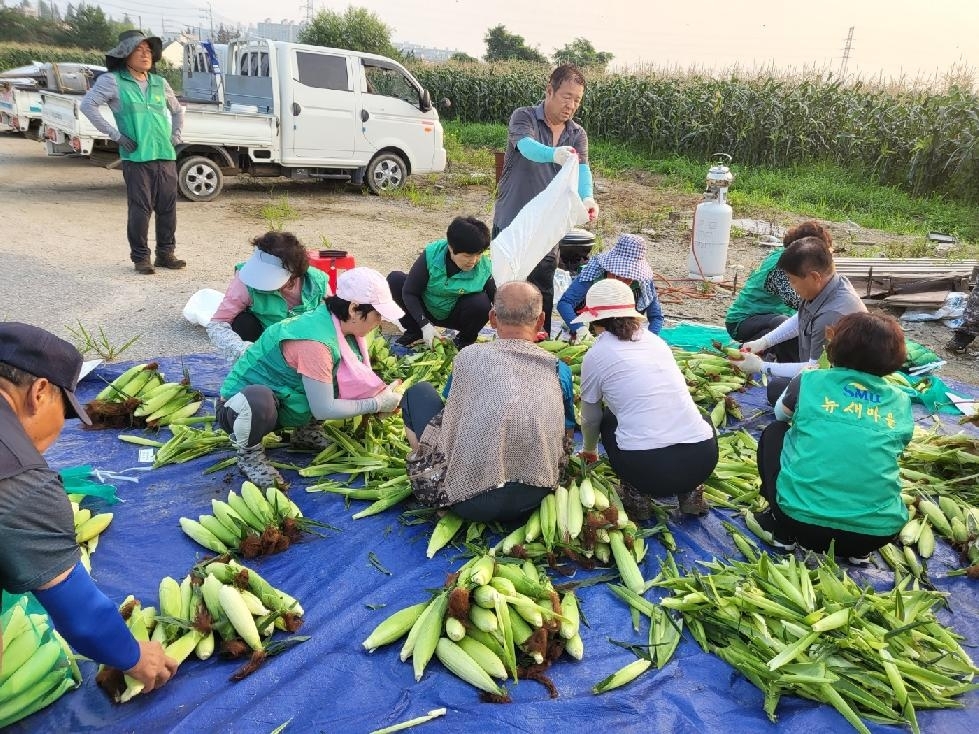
409, 338
638, 506
144, 267
958, 345
766, 521
169, 261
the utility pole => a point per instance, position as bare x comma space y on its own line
846, 51
308, 9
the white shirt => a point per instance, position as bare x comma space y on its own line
641, 384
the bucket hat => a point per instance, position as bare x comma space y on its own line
128, 41
627, 258
364, 285
42, 354
608, 299
263, 272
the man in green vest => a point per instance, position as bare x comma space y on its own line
139, 100
450, 284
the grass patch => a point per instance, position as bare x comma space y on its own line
821, 190
416, 193
277, 212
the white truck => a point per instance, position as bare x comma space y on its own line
304, 112
20, 106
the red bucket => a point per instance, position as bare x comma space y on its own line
332, 262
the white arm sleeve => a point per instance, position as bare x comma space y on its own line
326, 407
786, 369
228, 343
788, 329
591, 421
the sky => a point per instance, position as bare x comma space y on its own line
911, 38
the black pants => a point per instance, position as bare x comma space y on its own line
813, 537
468, 316
543, 277
512, 501
247, 326
249, 415
755, 327
670, 470
151, 188
776, 386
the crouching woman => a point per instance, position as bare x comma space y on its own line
828, 465
634, 397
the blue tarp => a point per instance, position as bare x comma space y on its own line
329, 684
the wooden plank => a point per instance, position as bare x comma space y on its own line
917, 300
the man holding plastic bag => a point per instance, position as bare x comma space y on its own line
542, 140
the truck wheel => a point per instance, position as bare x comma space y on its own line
199, 179
386, 172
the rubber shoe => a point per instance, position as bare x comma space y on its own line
170, 262
254, 464
693, 502
310, 436
957, 346
144, 267
637, 505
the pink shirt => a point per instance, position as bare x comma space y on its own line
309, 358
238, 299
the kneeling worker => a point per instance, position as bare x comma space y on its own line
38, 552
498, 445
308, 369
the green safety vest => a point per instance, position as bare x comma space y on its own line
270, 307
143, 117
753, 299
263, 364
839, 460
442, 291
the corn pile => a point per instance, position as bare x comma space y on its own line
710, 380
734, 483
36, 668
88, 528
216, 600
140, 397
813, 632
423, 365
250, 523
491, 620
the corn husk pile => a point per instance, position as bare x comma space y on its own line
220, 600
251, 523
492, 620
37, 667
807, 629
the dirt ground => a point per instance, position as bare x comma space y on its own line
64, 258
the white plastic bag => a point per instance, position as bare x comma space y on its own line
202, 305
539, 226
951, 310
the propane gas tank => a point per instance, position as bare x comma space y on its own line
711, 235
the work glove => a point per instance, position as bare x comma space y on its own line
758, 346
388, 400
176, 139
564, 153
126, 143
749, 363
428, 334
592, 206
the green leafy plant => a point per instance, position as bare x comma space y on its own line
277, 212
87, 341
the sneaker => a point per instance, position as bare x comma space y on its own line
144, 267
310, 436
858, 560
409, 338
693, 502
254, 464
169, 261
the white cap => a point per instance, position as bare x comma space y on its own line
608, 299
364, 285
263, 272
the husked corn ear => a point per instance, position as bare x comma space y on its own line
575, 647
484, 657
454, 629
576, 515
253, 603
205, 647
935, 515
457, 660
237, 613
628, 568
572, 617
256, 502
485, 596
483, 619
622, 676
394, 627
409, 645
926, 541
212, 525
428, 634
482, 571
202, 536
92, 527
586, 493
532, 527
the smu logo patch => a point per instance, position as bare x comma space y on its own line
859, 392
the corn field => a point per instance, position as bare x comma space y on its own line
924, 140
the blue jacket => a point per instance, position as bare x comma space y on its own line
574, 298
